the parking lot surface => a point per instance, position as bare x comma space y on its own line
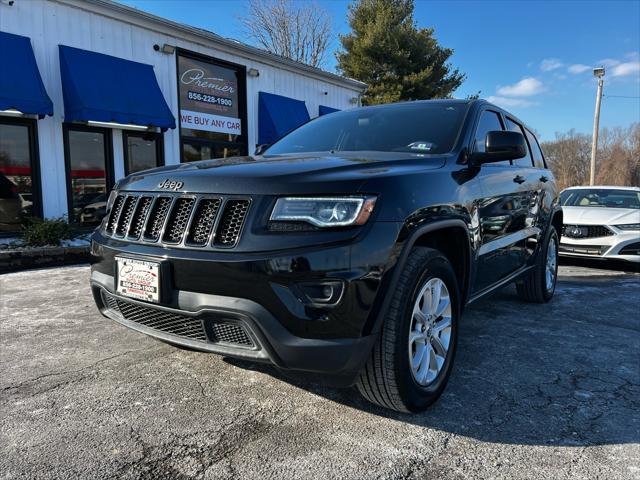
538, 391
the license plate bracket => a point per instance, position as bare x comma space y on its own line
139, 279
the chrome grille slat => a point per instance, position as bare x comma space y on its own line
126, 214
157, 217
114, 215
178, 220
231, 223
140, 217
203, 221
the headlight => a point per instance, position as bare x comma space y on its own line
628, 226
324, 212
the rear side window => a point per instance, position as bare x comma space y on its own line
489, 121
538, 159
526, 160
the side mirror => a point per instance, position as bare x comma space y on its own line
501, 145
260, 149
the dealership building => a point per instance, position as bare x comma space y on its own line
92, 90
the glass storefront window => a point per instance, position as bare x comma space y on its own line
194, 151
142, 151
88, 173
18, 185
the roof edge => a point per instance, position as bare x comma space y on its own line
207, 38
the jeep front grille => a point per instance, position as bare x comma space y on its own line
194, 328
178, 220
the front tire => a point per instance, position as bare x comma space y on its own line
540, 285
412, 360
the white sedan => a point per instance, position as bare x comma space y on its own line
601, 222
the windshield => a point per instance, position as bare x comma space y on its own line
409, 127
593, 197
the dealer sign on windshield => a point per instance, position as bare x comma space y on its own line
139, 279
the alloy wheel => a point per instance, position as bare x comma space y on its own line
551, 264
430, 332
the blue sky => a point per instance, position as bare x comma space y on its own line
533, 58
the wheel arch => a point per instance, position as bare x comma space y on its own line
451, 238
557, 220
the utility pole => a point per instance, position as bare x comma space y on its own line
598, 73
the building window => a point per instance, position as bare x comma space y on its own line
194, 150
89, 161
142, 151
19, 179
212, 103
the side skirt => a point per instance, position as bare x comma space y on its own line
511, 278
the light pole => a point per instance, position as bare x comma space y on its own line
598, 72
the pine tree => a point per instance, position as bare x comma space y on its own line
398, 60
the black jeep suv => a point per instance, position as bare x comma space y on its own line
347, 249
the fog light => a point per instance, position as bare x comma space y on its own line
322, 294
327, 291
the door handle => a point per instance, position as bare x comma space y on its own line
544, 179
519, 179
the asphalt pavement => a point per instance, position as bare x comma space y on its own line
537, 391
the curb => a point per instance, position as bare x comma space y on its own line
16, 260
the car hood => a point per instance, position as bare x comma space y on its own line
309, 173
599, 215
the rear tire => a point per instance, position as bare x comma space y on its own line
540, 285
412, 359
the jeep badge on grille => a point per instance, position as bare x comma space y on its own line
171, 185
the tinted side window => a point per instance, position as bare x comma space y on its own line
538, 159
524, 161
489, 121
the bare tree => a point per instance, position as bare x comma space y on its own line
617, 162
297, 30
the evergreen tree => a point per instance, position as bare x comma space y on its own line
398, 60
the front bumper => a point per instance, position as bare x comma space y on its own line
620, 246
257, 296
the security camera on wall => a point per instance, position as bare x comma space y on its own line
7, 2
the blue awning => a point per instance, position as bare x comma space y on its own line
278, 115
21, 86
322, 110
102, 88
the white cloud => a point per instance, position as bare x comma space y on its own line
524, 88
578, 68
549, 64
608, 62
510, 102
624, 69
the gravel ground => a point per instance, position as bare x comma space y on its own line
538, 391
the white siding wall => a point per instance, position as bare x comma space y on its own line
49, 24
